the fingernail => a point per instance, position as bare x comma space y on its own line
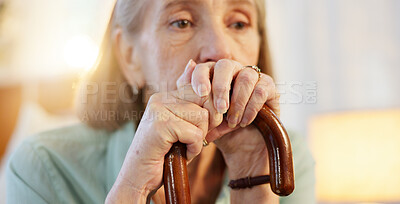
189, 64
217, 117
233, 120
243, 123
202, 90
221, 106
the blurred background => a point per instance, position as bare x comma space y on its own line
337, 66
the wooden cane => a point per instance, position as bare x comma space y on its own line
176, 181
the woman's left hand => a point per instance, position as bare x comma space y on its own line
241, 143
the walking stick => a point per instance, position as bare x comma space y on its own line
176, 181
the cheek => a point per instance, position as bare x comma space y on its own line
162, 63
247, 49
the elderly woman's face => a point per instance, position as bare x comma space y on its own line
175, 31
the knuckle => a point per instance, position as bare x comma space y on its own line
268, 79
240, 105
221, 88
223, 63
201, 80
252, 110
246, 77
154, 98
198, 75
199, 67
261, 93
236, 63
171, 127
199, 136
177, 131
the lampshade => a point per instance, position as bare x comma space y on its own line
357, 156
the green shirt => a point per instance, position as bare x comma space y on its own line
79, 164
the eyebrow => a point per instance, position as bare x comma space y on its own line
250, 2
173, 3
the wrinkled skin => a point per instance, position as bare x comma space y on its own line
191, 96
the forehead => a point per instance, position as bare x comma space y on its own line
171, 3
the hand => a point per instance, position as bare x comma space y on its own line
167, 119
243, 147
249, 94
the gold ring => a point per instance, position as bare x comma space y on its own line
205, 143
255, 67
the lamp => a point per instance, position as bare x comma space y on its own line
357, 156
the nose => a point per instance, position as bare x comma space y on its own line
215, 44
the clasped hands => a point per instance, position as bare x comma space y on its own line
194, 112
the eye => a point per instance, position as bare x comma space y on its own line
181, 24
238, 25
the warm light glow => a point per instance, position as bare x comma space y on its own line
357, 156
80, 52
369, 203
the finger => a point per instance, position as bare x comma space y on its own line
187, 133
191, 113
224, 72
215, 118
201, 78
242, 90
206, 118
219, 131
186, 76
274, 104
187, 95
263, 91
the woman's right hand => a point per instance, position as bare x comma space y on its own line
167, 119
